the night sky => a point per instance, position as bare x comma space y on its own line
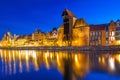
24, 16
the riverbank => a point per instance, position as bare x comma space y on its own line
78, 48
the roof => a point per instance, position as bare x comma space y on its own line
97, 27
37, 31
80, 23
68, 12
61, 27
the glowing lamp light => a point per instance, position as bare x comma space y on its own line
112, 63
76, 41
76, 58
118, 43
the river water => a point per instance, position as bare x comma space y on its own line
59, 65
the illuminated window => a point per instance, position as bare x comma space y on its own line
112, 38
113, 33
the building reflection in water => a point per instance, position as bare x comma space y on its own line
72, 65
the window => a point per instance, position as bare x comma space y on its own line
109, 38
99, 33
112, 38
118, 24
99, 38
93, 38
93, 33
96, 33
91, 43
99, 42
113, 33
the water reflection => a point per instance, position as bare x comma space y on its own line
72, 65
11, 60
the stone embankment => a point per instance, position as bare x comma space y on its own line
76, 48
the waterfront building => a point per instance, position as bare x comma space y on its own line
51, 38
38, 37
7, 39
73, 31
20, 41
117, 32
112, 33
98, 35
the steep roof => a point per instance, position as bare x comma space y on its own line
37, 31
68, 12
112, 23
97, 27
80, 23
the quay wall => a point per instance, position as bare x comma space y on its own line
78, 48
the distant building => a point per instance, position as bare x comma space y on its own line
98, 35
112, 33
21, 41
72, 32
117, 32
7, 39
51, 38
38, 36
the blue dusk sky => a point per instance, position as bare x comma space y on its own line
24, 16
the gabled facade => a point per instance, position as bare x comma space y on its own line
73, 32
111, 33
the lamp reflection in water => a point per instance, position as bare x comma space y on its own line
46, 59
19, 61
70, 64
108, 62
76, 65
10, 59
10, 66
117, 57
14, 63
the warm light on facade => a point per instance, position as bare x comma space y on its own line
79, 35
117, 42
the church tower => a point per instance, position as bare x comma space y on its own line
68, 21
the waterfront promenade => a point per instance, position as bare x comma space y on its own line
73, 48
